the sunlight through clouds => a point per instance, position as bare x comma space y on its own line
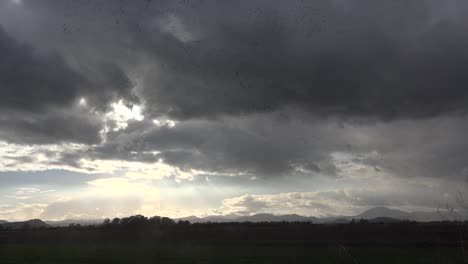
122, 113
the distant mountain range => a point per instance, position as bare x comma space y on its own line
402, 215
36, 223
252, 218
377, 215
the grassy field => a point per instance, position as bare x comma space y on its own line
50, 254
269, 243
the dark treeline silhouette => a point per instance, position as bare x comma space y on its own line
140, 221
155, 230
138, 239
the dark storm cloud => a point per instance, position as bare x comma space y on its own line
39, 95
213, 146
32, 82
429, 148
197, 60
61, 125
392, 60
205, 59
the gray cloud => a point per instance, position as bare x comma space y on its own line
58, 125
404, 59
353, 60
54, 178
270, 146
35, 82
430, 148
229, 146
39, 94
358, 60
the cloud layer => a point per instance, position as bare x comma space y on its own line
267, 96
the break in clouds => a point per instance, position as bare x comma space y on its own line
217, 107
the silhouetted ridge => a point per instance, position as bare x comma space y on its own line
385, 212
34, 223
373, 213
377, 214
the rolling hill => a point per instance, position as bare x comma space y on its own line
34, 223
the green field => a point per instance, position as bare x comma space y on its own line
50, 254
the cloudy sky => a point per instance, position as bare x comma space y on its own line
211, 107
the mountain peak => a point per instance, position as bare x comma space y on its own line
385, 212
